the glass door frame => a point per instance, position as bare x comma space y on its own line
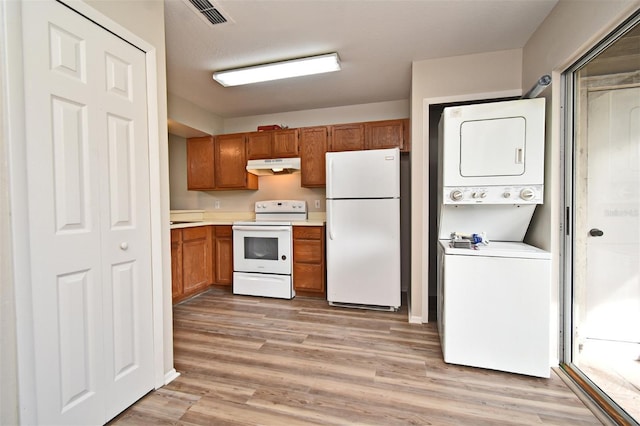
569, 96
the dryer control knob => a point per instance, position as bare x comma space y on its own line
527, 194
456, 195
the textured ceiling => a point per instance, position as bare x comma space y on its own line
376, 41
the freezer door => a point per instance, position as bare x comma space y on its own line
363, 174
363, 252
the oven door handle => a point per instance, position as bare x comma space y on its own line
259, 228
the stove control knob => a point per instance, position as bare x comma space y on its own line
456, 195
527, 194
506, 194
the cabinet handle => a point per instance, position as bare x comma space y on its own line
124, 246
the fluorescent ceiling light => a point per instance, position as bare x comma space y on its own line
277, 70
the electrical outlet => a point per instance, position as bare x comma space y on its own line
217, 204
317, 204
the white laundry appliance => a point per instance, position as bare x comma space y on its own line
363, 228
493, 301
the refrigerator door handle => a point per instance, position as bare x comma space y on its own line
330, 223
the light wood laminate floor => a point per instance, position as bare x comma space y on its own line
246, 360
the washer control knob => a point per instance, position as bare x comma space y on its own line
456, 195
483, 194
527, 194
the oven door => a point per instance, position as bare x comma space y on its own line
262, 248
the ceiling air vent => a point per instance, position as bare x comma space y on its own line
212, 14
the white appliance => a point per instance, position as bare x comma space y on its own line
273, 166
493, 302
262, 249
491, 154
493, 307
363, 229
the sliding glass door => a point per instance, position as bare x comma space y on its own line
602, 327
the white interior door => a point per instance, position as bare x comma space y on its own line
612, 297
88, 184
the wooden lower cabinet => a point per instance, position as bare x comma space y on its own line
223, 255
309, 261
176, 264
191, 261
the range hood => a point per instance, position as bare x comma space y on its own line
273, 166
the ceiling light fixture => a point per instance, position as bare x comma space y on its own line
278, 70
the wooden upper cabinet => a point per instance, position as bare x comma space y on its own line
347, 137
200, 163
285, 143
259, 145
313, 147
384, 134
272, 144
231, 162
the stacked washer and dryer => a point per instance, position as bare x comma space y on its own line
493, 299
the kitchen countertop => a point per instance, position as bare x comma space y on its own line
230, 222
209, 218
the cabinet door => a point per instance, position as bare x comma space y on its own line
308, 260
285, 143
384, 134
224, 255
196, 259
231, 163
259, 145
313, 147
200, 164
176, 264
347, 137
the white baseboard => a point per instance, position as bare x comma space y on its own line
170, 376
413, 319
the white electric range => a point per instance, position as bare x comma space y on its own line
263, 249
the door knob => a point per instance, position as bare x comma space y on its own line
124, 246
595, 232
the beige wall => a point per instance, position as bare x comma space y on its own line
437, 81
571, 29
184, 112
318, 117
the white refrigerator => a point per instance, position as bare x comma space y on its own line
363, 228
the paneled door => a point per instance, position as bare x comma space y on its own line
89, 213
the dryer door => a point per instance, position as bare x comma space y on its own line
492, 147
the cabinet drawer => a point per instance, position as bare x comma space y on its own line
195, 233
307, 251
308, 232
223, 231
308, 277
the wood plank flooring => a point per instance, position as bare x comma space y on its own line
249, 361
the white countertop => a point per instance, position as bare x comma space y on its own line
229, 222
208, 218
